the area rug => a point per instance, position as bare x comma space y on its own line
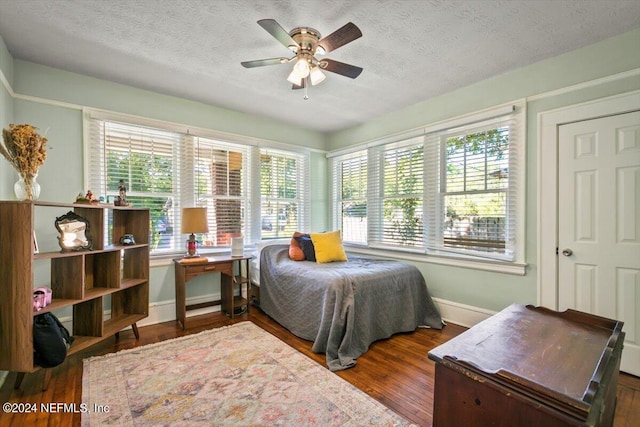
237, 375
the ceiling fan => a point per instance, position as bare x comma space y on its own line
306, 43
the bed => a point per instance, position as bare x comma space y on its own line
343, 307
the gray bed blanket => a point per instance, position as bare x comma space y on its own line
343, 307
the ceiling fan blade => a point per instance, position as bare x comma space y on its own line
278, 32
346, 34
263, 62
340, 68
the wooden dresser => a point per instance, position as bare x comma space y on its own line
529, 366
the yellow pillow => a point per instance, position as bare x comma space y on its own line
328, 247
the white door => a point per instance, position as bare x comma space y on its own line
599, 223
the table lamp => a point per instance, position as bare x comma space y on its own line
194, 220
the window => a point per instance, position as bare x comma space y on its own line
165, 169
350, 199
283, 192
474, 201
222, 180
396, 194
145, 161
454, 190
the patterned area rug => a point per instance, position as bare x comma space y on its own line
237, 375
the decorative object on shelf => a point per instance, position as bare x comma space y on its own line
74, 232
127, 240
87, 198
121, 199
27, 190
41, 298
38, 300
237, 246
194, 220
26, 150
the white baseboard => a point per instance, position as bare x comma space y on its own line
461, 314
451, 312
165, 311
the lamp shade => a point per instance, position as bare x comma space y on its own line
194, 220
316, 75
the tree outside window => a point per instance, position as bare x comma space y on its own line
476, 184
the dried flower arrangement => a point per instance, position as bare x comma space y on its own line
26, 150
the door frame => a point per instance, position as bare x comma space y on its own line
548, 124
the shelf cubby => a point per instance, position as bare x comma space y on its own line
102, 270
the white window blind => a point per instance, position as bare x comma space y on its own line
165, 170
474, 201
396, 194
284, 193
450, 190
144, 161
349, 195
222, 184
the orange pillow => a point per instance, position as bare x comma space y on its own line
295, 250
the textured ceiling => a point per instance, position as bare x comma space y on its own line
410, 50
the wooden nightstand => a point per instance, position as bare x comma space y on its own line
230, 302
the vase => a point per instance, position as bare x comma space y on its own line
27, 188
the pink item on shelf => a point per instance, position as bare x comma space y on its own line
41, 297
38, 300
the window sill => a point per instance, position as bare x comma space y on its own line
163, 260
514, 268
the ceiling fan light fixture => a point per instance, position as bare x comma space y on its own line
306, 43
316, 75
302, 67
294, 78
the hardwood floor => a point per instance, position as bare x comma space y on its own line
395, 372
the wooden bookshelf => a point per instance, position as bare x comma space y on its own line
83, 280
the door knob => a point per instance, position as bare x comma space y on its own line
567, 252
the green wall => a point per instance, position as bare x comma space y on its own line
59, 93
51, 99
547, 85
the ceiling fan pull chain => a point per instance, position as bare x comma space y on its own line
306, 85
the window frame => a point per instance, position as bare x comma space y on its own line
300, 200
438, 159
435, 166
380, 195
338, 194
185, 189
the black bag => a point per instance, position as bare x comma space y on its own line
51, 340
